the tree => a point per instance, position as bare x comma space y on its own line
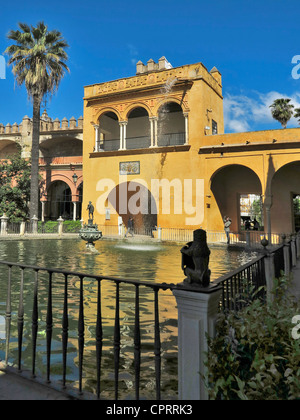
297, 114
15, 187
282, 110
38, 58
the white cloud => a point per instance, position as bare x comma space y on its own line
249, 112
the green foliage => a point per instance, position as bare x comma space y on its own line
38, 58
282, 110
14, 188
71, 226
254, 356
48, 227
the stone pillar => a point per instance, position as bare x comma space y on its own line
34, 223
293, 250
155, 132
186, 121
4, 220
286, 256
22, 228
159, 232
298, 244
197, 312
121, 136
96, 127
269, 273
60, 225
74, 210
124, 134
43, 211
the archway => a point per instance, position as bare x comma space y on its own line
59, 202
132, 199
285, 189
170, 125
237, 191
138, 129
9, 148
109, 137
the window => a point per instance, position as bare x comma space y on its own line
214, 127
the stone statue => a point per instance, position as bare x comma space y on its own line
90, 208
195, 260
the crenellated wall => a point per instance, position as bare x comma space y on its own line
46, 124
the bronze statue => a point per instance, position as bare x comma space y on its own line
90, 208
195, 260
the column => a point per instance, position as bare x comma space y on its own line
186, 123
43, 211
151, 131
96, 127
74, 210
34, 224
124, 134
155, 131
4, 220
121, 136
60, 225
197, 313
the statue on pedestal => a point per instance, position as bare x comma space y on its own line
195, 260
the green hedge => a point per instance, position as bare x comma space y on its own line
254, 355
69, 226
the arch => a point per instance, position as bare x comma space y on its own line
9, 148
59, 201
135, 105
171, 124
133, 199
109, 130
105, 111
169, 98
285, 190
235, 188
138, 131
61, 147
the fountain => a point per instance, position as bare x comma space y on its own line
90, 232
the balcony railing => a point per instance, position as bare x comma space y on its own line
141, 142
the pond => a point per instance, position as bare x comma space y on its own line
129, 259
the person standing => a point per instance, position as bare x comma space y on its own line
227, 223
129, 227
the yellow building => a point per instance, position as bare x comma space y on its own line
154, 148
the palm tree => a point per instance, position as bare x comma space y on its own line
38, 58
282, 111
297, 114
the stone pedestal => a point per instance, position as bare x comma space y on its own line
197, 312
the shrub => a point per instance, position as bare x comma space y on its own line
71, 226
254, 356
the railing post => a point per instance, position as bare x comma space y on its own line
4, 220
34, 222
22, 228
269, 272
197, 312
298, 244
286, 255
60, 225
293, 250
159, 231
248, 243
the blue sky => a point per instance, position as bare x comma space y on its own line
252, 43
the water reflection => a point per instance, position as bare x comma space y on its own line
147, 262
